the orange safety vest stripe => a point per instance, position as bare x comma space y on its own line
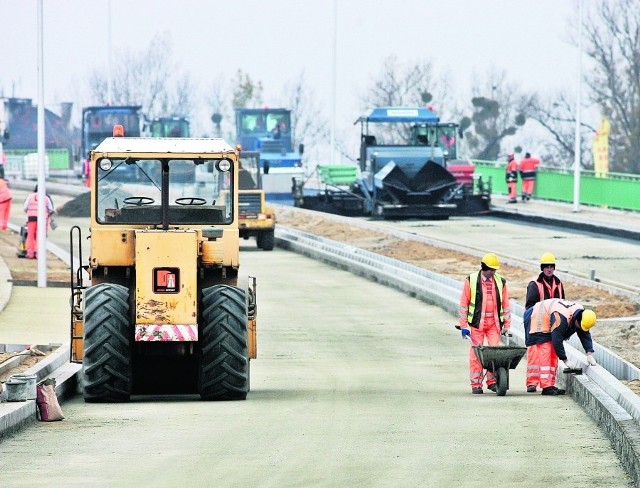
542, 312
555, 287
512, 171
499, 286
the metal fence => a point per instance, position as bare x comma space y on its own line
615, 190
58, 159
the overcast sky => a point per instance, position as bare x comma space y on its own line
275, 40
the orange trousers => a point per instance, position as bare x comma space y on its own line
527, 187
542, 365
32, 239
489, 335
5, 209
513, 190
32, 236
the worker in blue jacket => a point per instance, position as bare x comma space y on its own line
547, 325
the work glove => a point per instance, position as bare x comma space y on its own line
571, 365
465, 333
506, 332
591, 360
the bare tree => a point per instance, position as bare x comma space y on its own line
222, 114
405, 85
149, 78
556, 116
499, 111
612, 44
246, 92
612, 37
408, 84
307, 122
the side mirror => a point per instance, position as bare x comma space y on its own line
5, 135
265, 168
301, 148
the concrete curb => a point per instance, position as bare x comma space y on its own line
620, 427
581, 225
16, 415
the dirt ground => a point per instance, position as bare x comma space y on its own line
619, 324
24, 272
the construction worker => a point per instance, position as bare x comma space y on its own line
5, 203
546, 285
512, 178
31, 209
484, 314
528, 167
547, 325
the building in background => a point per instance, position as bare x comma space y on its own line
20, 119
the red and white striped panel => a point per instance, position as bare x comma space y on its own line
166, 332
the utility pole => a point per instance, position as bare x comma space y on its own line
576, 163
109, 75
42, 192
334, 83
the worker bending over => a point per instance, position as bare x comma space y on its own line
547, 325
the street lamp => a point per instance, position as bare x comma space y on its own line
334, 83
109, 77
576, 161
42, 192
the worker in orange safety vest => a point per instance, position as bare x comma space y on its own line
511, 178
528, 167
31, 209
86, 172
484, 314
5, 203
547, 325
546, 285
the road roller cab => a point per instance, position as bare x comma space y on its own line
164, 310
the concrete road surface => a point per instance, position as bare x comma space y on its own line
355, 385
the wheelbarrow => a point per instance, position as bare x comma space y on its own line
499, 360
